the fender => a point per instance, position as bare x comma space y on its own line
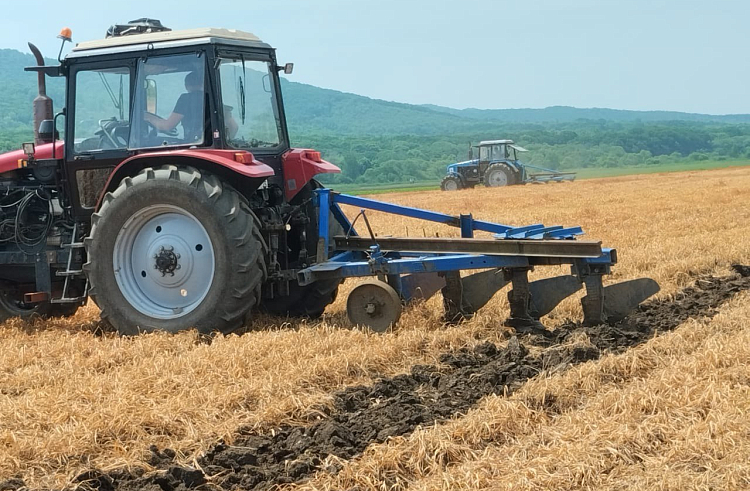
13, 160
227, 164
299, 166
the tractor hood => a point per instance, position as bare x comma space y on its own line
14, 160
466, 163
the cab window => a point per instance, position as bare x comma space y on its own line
102, 109
170, 102
498, 152
484, 154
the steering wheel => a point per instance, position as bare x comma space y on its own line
114, 133
149, 132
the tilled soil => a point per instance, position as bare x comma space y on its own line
396, 406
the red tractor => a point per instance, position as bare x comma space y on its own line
174, 199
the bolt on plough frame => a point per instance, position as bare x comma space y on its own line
409, 268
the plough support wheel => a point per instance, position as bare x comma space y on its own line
374, 304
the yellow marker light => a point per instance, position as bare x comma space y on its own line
66, 34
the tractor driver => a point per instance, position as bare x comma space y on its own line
188, 111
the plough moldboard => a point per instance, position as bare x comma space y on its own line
409, 268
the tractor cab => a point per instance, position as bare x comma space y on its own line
498, 151
205, 88
145, 90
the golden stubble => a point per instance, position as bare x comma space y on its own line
670, 414
71, 399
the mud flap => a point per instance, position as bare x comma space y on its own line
546, 294
621, 299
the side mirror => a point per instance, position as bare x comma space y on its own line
47, 131
151, 96
287, 69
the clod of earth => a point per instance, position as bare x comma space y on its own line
396, 406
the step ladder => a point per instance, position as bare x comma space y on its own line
69, 273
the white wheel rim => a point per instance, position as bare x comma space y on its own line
498, 178
163, 261
450, 185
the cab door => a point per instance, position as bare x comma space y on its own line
98, 121
484, 159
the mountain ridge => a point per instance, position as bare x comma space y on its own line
312, 109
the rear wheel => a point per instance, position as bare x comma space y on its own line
499, 175
173, 249
451, 183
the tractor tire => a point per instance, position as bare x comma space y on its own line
309, 301
12, 305
451, 183
499, 175
174, 248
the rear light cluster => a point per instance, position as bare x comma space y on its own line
244, 157
313, 155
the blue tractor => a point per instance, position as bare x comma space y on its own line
498, 165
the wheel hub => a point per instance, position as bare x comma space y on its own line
374, 304
166, 260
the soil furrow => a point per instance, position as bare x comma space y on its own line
396, 406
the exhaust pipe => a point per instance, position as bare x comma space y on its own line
42, 106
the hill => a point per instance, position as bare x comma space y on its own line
567, 114
377, 141
313, 109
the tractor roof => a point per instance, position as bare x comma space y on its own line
164, 39
494, 142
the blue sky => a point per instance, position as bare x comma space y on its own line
681, 55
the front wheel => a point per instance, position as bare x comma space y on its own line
451, 183
12, 305
173, 249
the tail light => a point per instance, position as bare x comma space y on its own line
244, 157
313, 155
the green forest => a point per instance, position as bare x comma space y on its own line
378, 142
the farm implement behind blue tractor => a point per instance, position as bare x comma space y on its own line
409, 268
498, 165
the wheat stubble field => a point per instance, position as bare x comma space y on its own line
662, 402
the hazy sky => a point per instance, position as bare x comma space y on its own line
682, 55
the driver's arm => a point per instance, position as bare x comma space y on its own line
163, 124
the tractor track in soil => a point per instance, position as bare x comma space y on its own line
396, 406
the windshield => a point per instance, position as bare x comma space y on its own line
251, 119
